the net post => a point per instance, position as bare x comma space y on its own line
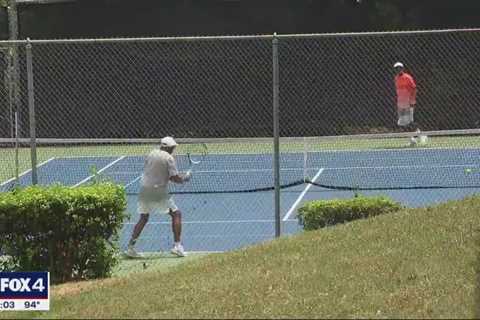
31, 111
276, 133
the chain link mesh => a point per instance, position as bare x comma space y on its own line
13, 113
337, 85
102, 106
7, 158
6, 128
338, 91
151, 89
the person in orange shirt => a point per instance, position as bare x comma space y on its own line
406, 89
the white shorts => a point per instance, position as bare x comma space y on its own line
151, 199
405, 117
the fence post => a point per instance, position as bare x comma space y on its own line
15, 72
276, 134
31, 112
17, 161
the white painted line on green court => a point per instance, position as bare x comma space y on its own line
300, 197
133, 181
26, 172
99, 171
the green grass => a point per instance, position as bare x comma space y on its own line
417, 263
151, 262
7, 155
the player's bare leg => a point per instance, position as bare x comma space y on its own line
177, 233
137, 230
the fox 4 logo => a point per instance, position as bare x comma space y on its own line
21, 285
24, 285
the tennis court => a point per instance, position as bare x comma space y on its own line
220, 211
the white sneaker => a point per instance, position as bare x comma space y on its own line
132, 253
178, 251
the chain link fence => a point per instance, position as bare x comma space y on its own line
338, 92
344, 84
102, 105
13, 112
6, 116
148, 89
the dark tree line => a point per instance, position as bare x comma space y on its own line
113, 18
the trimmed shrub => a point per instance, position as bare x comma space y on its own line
67, 231
322, 213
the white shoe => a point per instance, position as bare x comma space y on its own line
178, 251
132, 253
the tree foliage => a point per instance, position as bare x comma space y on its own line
108, 18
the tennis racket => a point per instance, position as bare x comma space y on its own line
196, 153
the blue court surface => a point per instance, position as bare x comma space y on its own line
225, 221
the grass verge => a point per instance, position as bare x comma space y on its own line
420, 263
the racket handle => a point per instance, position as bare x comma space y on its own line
187, 176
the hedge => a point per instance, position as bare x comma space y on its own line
321, 213
67, 231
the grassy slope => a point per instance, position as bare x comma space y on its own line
160, 262
416, 263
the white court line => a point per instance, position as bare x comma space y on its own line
300, 197
99, 171
25, 172
133, 181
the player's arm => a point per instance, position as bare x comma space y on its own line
174, 175
413, 92
181, 178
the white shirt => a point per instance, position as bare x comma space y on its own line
159, 167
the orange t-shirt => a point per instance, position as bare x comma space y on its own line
406, 90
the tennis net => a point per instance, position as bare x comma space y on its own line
448, 159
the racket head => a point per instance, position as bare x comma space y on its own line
196, 153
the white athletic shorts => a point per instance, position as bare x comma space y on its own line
155, 198
405, 117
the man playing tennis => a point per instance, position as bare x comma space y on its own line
406, 89
160, 168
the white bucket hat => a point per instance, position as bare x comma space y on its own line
168, 142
